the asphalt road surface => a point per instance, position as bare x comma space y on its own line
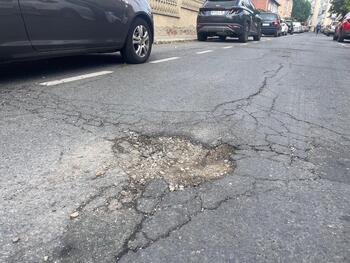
279, 109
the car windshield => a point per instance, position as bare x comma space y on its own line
268, 16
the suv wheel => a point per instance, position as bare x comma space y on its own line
257, 37
340, 36
138, 43
201, 37
244, 36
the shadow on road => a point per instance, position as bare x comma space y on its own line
49, 67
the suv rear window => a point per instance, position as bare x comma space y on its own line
268, 16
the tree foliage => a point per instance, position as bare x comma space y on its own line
340, 7
301, 10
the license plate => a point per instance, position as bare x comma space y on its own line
217, 13
266, 24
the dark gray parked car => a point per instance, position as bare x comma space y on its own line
228, 18
49, 28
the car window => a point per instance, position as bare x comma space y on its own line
249, 5
268, 16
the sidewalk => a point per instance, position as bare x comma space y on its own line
171, 39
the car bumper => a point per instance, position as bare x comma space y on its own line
268, 30
227, 29
346, 34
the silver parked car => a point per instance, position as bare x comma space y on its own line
39, 28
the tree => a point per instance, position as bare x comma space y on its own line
340, 7
302, 10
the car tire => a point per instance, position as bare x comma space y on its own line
340, 36
257, 37
201, 37
136, 53
243, 38
222, 38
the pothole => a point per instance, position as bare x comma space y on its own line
177, 160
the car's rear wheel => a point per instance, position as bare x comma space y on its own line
257, 37
244, 36
222, 38
201, 37
138, 45
340, 36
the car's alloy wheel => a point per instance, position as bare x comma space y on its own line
141, 41
257, 37
244, 36
340, 36
138, 44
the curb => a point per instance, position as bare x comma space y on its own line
170, 41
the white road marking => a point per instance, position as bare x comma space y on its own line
344, 45
227, 47
71, 79
203, 52
163, 60
244, 44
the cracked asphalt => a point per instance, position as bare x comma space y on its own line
282, 104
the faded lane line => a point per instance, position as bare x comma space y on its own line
244, 44
71, 79
203, 52
227, 47
163, 60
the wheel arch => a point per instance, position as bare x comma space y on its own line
148, 20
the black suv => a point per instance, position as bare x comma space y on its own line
231, 18
271, 24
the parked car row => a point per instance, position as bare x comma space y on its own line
237, 18
299, 28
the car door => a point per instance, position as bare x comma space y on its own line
73, 24
14, 42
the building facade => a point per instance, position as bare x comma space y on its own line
285, 9
175, 19
267, 5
